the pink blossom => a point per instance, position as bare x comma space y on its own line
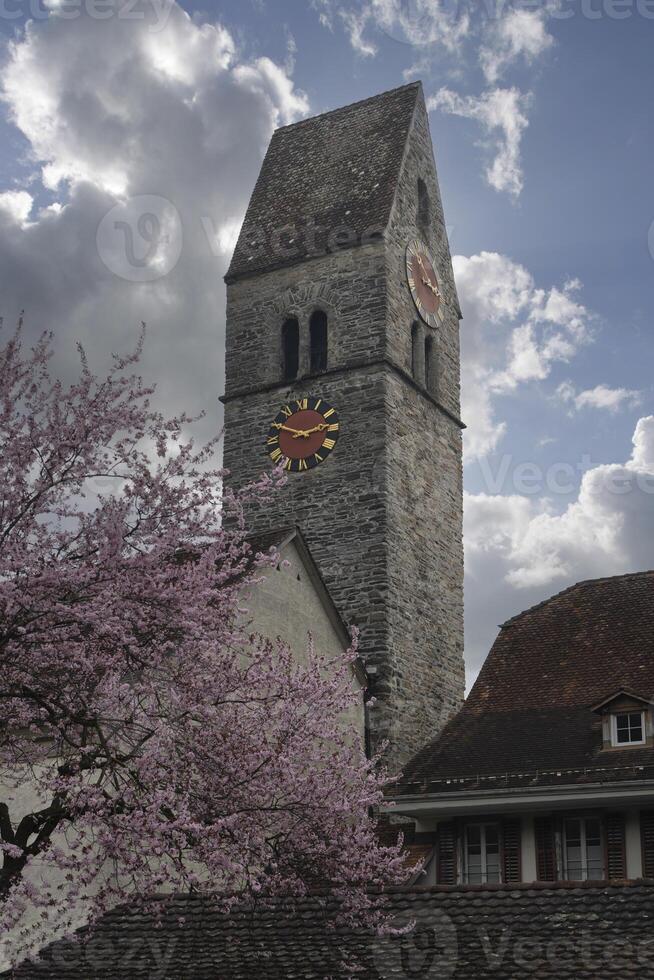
164, 741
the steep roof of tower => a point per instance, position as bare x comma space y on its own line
335, 171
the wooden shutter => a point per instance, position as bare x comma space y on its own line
616, 855
446, 848
545, 849
647, 839
511, 850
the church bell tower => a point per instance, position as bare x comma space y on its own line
342, 363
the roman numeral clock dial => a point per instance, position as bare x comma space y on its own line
303, 434
423, 283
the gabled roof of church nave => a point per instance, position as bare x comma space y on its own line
567, 931
532, 713
337, 170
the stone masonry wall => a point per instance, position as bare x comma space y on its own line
382, 515
425, 508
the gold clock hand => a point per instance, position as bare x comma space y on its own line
287, 428
435, 290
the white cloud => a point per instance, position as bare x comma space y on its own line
519, 551
501, 112
16, 204
519, 34
602, 397
355, 25
190, 53
422, 22
496, 38
512, 334
271, 82
176, 115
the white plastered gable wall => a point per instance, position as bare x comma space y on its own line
291, 603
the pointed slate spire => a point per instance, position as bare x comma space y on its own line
326, 182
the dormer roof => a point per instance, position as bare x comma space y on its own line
622, 694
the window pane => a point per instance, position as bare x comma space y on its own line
474, 869
473, 855
492, 837
574, 867
573, 863
593, 832
573, 831
492, 867
595, 862
629, 727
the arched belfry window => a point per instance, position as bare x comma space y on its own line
290, 348
415, 351
429, 364
318, 341
424, 208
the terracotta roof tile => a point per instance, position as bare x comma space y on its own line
531, 708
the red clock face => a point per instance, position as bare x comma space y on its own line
423, 283
303, 434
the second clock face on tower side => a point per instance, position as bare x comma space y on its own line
423, 283
303, 434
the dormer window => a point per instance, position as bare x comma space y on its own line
626, 720
628, 728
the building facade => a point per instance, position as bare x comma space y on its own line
547, 772
342, 364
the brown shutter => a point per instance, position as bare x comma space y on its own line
511, 850
616, 855
446, 845
545, 849
647, 838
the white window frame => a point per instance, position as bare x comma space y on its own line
583, 848
614, 729
482, 824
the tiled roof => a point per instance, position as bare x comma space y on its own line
568, 932
529, 716
338, 170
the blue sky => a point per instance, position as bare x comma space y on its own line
541, 119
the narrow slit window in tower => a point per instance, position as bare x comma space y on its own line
415, 351
318, 341
290, 348
429, 366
